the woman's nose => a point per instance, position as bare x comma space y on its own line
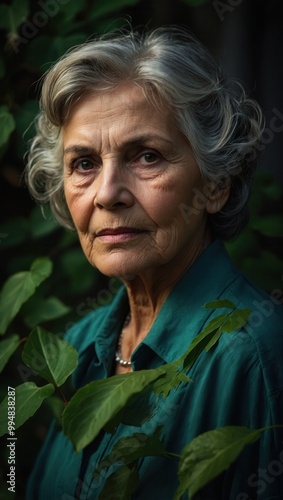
112, 187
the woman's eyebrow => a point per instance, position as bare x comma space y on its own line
85, 150
147, 137
141, 139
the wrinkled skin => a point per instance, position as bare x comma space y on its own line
128, 168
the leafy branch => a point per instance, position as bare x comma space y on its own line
48, 356
107, 403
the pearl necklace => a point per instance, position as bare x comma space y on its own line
118, 355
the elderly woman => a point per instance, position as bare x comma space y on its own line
147, 151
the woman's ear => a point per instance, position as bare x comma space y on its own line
217, 195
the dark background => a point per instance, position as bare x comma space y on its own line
246, 36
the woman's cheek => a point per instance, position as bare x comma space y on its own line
80, 205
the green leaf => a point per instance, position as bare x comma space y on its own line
102, 8
4, 17
129, 449
215, 304
42, 224
172, 379
25, 116
265, 271
245, 244
7, 124
96, 404
56, 405
214, 339
103, 404
28, 398
266, 187
202, 340
268, 225
212, 326
52, 358
104, 24
13, 232
68, 12
19, 288
209, 454
128, 415
121, 484
39, 309
12, 16
80, 274
207, 338
19, 13
50, 48
24, 119
7, 348
272, 191
237, 319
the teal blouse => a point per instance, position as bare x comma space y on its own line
238, 382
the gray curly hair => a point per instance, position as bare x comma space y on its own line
222, 124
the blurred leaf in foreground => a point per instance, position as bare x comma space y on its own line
28, 399
19, 288
52, 358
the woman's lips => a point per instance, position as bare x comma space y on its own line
117, 235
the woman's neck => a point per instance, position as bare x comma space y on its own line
148, 292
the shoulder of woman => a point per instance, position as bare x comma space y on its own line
82, 333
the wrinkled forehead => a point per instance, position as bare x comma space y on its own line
130, 95
118, 118
126, 103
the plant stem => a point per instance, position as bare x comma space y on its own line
169, 454
24, 339
62, 396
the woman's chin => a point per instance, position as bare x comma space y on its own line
123, 269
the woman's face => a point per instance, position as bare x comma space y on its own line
129, 175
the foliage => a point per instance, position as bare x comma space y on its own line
19, 288
49, 356
34, 35
8, 347
209, 454
8, 124
29, 397
121, 484
93, 407
258, 249
129, 449
30, 45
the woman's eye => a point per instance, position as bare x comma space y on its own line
83, 165
149, 158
